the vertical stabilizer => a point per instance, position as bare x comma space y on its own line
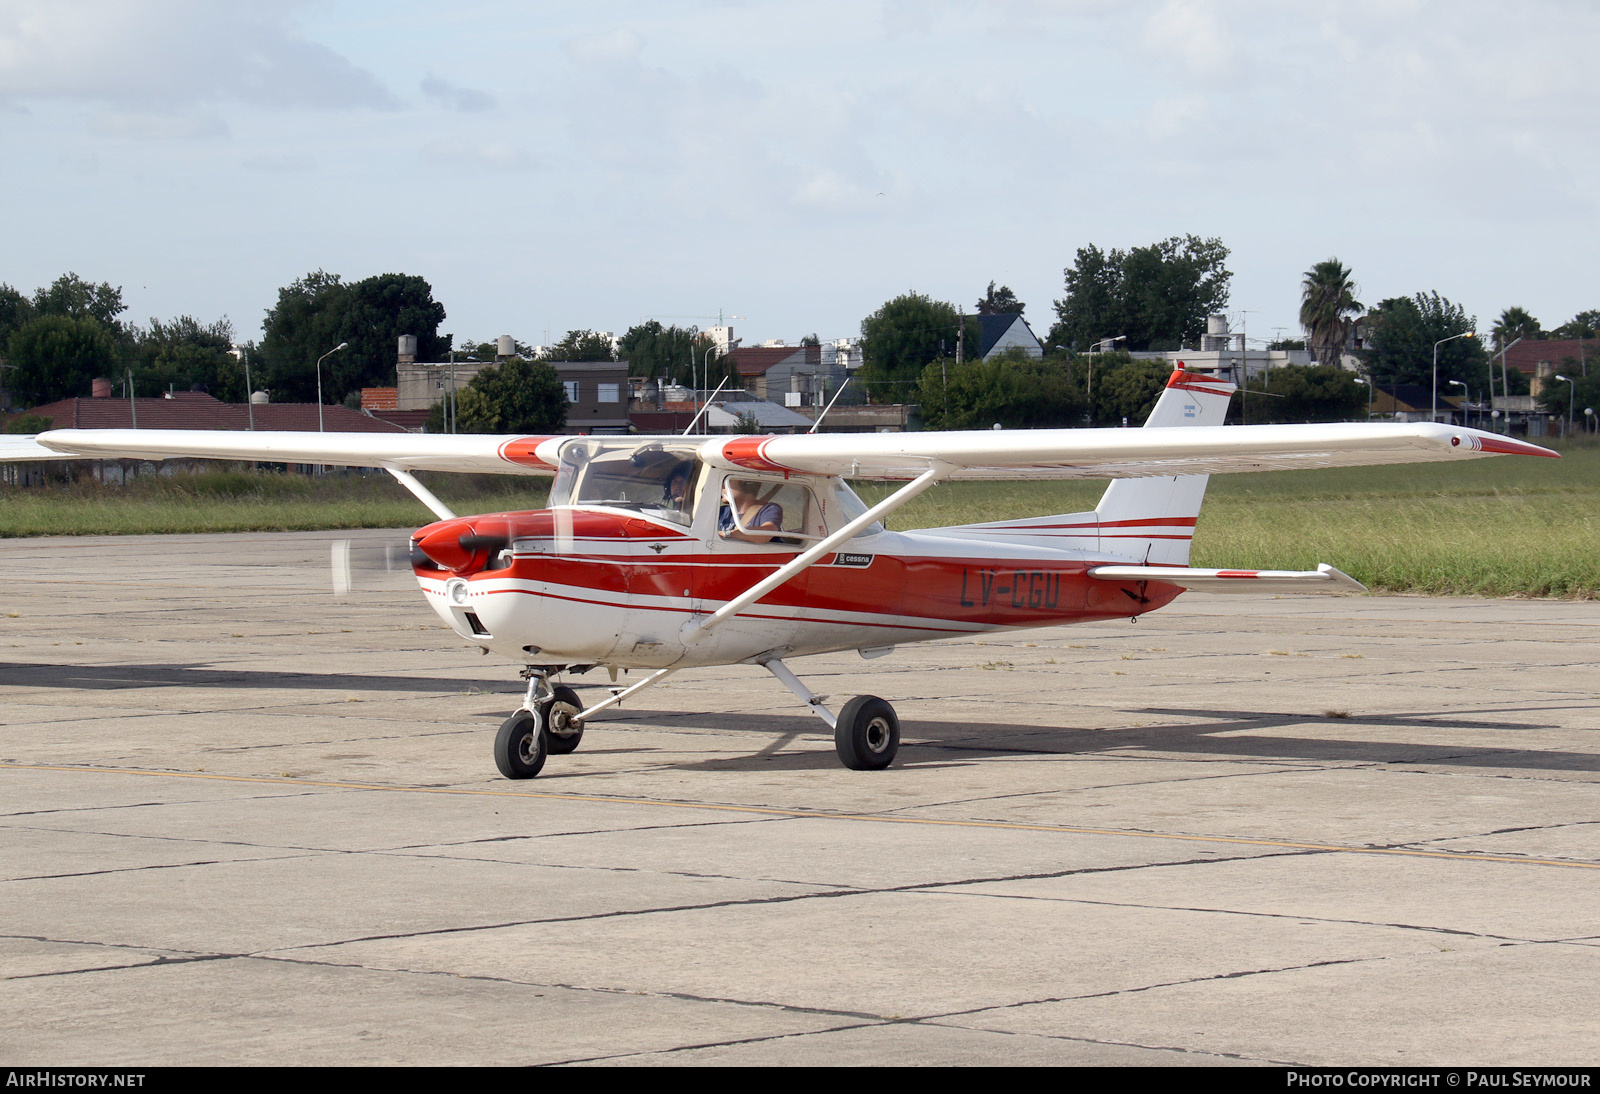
1152, 520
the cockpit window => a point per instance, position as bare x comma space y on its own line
657, 480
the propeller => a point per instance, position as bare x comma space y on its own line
370, 563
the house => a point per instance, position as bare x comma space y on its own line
1541, 359
999, 333
792, 376
597, 391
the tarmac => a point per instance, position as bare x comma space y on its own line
245, 822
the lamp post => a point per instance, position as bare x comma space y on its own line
1434, 414
1505, 377
1368, 385
1572, 395
706, 370
1466, 407
1089, 390
321, 359
1588, 412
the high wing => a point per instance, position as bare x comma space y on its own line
990, 454
1119, 453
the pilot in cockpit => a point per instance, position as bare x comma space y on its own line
755, 516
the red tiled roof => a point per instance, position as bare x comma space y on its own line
756, 360
1525, 356
196, 410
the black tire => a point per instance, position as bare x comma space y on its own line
560, 735
867, 734
520, 747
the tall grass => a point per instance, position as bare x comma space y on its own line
233, 500
1492, 527
1507, 526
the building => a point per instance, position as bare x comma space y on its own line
999, 333
791, 376
1541, 359
1226, 354
597, 391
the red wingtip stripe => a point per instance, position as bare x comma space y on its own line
1507, 447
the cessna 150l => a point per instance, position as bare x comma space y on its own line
667, 553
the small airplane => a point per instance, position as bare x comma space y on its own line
665, 553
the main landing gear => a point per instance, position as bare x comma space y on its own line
866, 732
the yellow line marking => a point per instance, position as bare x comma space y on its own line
807, 814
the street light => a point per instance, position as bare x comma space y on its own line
1572, 395
321, 359
706, 369
1434, 415
1466, 407
1505, 378
1368, 386
1089, 390
1588, 412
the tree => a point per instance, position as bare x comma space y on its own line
653, 350
320, 310
1306, 393
1158, 296
1327, 304
186, 353
1012, 389
15, 310
71, 295
901, 337
583, 345
55, 356
1001, 301
1515, 323
1403, 331
488, 351
1586, 324
1126, 388
514, 397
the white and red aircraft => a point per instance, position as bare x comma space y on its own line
667, 553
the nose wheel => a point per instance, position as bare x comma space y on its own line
520, 748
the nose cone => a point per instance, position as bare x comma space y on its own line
459, 545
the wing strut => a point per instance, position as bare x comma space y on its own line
695, 629
423, 494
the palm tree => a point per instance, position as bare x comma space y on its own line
1515, 323
1325, 307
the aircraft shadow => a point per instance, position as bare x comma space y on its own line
121, 677
1232, 736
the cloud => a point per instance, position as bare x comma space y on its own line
172, 54
487, 155
465, 100
612, 47
1188, 30
137, 125
285, 164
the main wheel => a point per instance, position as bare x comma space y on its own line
520, 747
867, 734
561, 733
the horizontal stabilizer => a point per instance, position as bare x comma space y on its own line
1324, 579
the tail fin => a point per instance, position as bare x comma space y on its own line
1152, 519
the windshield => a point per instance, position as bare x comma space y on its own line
657, 479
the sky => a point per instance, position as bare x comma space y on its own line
791, 166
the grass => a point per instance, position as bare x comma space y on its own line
1507, 526
229, 500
